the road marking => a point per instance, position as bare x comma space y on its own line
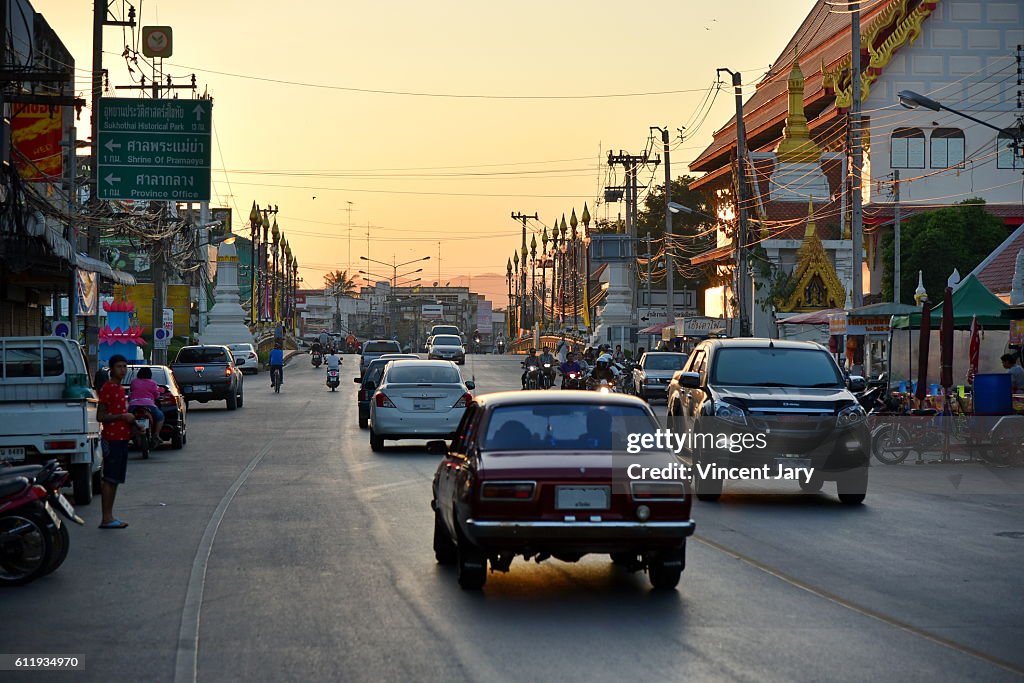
864, 611
186, 665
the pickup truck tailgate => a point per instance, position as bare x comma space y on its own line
47, 417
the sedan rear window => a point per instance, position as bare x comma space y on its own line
561, 426
382, 347
447, 340
775, 367
423, 374
666, 362
445, 329
199, 354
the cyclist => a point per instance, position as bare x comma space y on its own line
276, 363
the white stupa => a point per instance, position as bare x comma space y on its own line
227, 317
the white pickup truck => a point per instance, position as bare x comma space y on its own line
48, 409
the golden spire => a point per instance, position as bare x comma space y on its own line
797, 145
812, 229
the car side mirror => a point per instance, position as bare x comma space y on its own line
470, 384
856, 383
690, 380
357, 380
238, 361
438, 447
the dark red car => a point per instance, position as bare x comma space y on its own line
541, 475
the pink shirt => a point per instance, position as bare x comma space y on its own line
145, 392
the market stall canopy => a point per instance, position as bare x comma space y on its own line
883, 309
821, 317
970, 299
655, 329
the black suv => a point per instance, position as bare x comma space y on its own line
791, 402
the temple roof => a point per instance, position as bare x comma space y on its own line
814, 280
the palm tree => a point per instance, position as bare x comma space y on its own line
338, 284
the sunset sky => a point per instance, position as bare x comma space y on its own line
499, 125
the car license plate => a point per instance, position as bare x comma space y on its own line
582, 497
15, 453
423, 404
52, 513
792, 462
201, 387
143, 423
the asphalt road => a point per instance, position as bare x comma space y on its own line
277, 547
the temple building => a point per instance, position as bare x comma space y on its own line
960, 53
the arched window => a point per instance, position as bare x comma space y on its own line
907, 148
1006, 156
947, 147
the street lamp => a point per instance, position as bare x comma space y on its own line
679, 208
912, 100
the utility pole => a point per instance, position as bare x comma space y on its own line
670, 310
631, 163
896, 236
856, 216
742, 276
519, 216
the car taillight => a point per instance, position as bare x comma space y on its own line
651, 490
58, 445
228, 370
464, 401
166, 399
507, 490
200, 368
382, 400
252, 355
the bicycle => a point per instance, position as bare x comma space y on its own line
275, 379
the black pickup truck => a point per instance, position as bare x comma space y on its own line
208, 373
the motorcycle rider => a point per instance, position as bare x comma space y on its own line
569, 366
531, 361
276, 363
501, 346
333, 361
325, 340
547, 359
604, 370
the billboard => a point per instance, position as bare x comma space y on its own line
432, 311
484, 317
36, 132
126, 255
178, 298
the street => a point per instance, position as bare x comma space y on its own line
277, 547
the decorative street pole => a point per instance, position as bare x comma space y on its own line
563, 299
573, 222
556, 272
519, 319
533, 280
254, 266
586, 258
544, 278
509, 308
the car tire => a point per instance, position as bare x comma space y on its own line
232, 401
241, 398
852, 486
82, 483
376, 442
363, 423
178, 438
812, 486
445, 550
665, 569
472, 566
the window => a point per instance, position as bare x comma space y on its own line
558, 426
667, 361
1006, 156
907, 148
947, 147
402, 373
201, 354
24, 362
779, 367
447, 340
382, 347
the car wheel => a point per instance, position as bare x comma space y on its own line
445, 550
363, 423
665, 569
812, 486
852, 486
241, 399
178, 438
472, 566
376, 442
82, 483
232, 401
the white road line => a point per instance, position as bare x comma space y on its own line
864, 611
186, 663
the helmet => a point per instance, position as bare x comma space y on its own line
604, 358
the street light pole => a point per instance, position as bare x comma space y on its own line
670, 310
742, 277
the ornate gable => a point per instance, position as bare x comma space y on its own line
814, 280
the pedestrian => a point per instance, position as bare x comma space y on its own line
112, 413
279, 331
1015, 371
562, 349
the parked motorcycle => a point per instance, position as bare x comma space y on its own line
142, 434
333, 379
317, 359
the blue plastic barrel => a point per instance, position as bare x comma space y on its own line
992, 394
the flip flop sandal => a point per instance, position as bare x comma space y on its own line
115, 524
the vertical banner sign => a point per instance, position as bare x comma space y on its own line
87, 293
484, 317
36, 131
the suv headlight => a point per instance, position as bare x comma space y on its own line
730, 413
851, 415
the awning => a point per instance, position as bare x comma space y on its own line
96, 266
718, 254
811, 318
655, 329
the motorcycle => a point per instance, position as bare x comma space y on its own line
333, 379
547, 376
604, 386
142, 434
572, 380
317, 359
532, 377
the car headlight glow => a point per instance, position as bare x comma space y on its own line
730, 412
851, 415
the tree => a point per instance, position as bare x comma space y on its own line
339, 285
936, 242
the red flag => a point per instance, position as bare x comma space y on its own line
975, 350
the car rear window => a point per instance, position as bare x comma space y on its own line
373, 372
775, 367
32, 361
201, 355
445, 329
240, 348
667, 362
562, 426
159, 375
447, 340
423, 374
381, 347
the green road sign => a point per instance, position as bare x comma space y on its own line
154, 149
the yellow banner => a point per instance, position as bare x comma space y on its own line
141, 295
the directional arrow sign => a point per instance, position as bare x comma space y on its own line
154, 149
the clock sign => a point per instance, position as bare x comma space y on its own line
156, 41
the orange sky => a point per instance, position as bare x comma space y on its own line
422, 169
